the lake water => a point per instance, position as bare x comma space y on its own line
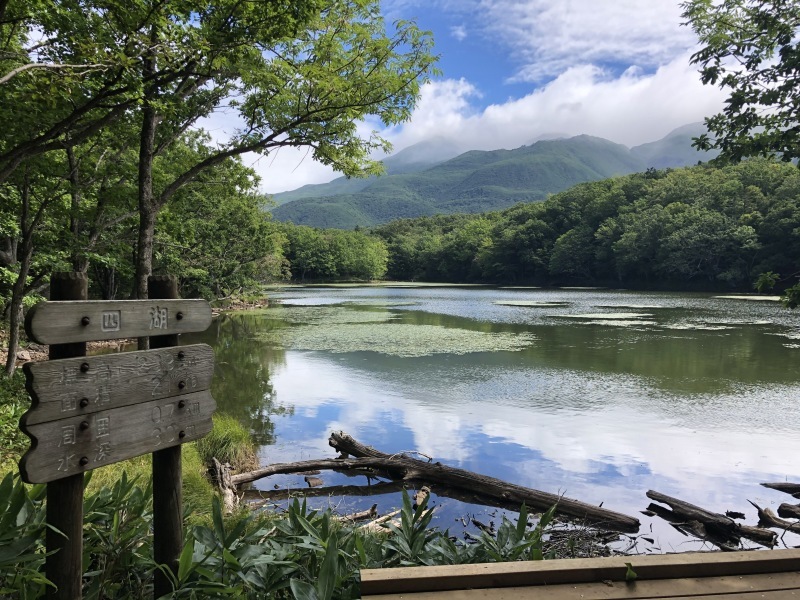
596, 394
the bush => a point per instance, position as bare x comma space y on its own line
14, 401
229, 442
303, 553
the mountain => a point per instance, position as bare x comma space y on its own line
415, 158
478, 181
674, 150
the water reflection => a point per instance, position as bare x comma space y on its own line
243, 364
601, 413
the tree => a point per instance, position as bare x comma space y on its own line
296, 78
297, 73
750, 48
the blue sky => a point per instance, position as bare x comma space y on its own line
515, 71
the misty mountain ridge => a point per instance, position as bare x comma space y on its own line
420, 181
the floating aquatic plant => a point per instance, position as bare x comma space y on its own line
328, 315
396, 339
619, 323
754, 298
531, 303
625, 316
696, 327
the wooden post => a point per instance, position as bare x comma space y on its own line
65, 496
167, 478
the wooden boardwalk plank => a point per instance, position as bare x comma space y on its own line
776, 585
673, 570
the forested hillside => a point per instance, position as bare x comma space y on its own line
703, 226
478, 181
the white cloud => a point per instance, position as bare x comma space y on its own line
546, 38
459, 32
631, 109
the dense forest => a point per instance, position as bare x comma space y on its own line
215, 235
704, 227
699, 227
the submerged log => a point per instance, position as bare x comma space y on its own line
789, 488
437, 474
717, 528
767, 518
789, 511
376, 489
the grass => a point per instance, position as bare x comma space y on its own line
229, 442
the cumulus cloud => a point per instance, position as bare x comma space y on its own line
632, 108
547, 38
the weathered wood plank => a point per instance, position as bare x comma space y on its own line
82, 386
775, 586
78, 444
62, 322
574, 571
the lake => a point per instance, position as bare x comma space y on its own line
596, 394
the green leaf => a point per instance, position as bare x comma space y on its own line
302, 590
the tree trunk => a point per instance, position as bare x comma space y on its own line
18, 290
80, 263
148, 209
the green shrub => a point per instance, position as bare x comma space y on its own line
14, 401
229, 442
303, 553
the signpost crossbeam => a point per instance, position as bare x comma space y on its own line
91, 320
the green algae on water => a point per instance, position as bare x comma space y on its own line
397, 339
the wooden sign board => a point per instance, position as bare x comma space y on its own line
82, 386
89, 320
77, 444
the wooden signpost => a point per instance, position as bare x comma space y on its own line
89, 412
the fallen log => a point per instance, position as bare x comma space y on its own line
381, 523
695, 528
476, 486
767, 518
376, 489
789, 488
789, 511
335, 464
719, 528
437, 474
370, 513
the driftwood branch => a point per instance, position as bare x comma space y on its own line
767, 518
376, 489
789, 511
438, 476
789, 488
444, 480
714, 527
370, 513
